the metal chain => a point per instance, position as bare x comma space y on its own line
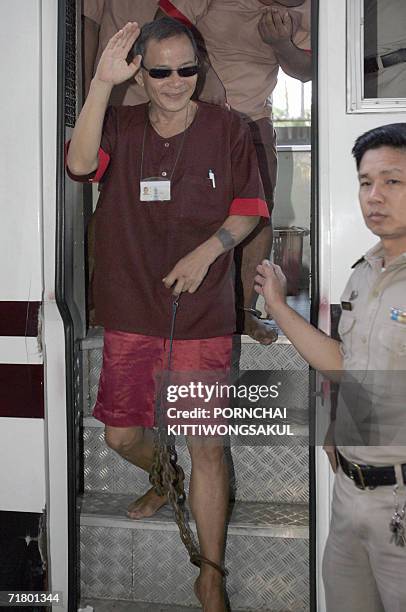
167, 477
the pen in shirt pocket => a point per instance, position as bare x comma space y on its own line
212, 178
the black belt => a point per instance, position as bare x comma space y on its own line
369, 476
371, 64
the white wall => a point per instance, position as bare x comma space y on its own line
22, 483
20, 151
22, 451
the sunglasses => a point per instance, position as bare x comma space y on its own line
163, 73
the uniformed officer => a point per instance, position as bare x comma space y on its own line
364, 567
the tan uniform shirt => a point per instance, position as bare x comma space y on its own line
245, 64
374, 347
111, 16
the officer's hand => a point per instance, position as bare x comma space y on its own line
112, 67
188, 273
258, 330
270, 282
278, 26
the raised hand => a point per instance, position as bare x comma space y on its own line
112, 67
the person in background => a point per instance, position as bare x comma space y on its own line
247, 41
365, 558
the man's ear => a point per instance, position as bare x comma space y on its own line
139, 78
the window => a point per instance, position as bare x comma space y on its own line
291, 102
376, 42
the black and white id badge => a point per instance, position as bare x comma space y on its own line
155, 189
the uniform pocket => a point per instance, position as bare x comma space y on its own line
345, 330
392, 339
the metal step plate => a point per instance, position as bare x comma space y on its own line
267, 556
245, 518
107, 605
257, 473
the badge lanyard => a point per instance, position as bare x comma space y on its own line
156, 189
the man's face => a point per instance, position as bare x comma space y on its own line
284, 3
382, 193
172, 93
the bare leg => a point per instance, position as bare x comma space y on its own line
135, 444
208, 498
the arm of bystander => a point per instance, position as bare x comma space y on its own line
278, 28
320, 351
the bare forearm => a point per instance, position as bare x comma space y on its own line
83, 151
295, 62
320, 351
233, 231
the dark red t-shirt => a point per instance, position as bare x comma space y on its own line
138, 243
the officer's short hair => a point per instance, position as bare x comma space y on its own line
162, 29
391, 135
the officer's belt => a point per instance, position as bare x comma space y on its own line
372, 64
370, 476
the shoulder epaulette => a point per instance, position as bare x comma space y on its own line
361, 259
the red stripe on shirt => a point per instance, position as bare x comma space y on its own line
172, 11
249, 207
104, 160
309, 51
93, 177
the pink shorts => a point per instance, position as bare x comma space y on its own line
131, 363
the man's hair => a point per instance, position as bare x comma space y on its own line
162, 29
391, 135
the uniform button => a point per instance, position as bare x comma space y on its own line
363, 339
163, 173
166, 144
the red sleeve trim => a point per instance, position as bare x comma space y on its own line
104, 160
249, 207
172, 11
309, 51
93, 177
